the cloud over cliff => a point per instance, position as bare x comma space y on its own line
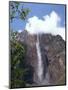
48, 24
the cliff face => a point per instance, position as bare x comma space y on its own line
53, 57
54, 48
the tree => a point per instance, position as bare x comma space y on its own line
17, 11
17, 49
17, 58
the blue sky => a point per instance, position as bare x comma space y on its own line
39, 10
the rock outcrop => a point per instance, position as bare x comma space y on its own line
53, 57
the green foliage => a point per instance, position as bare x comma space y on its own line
18, 11
17, 52
17, 58
19, 68
13, 35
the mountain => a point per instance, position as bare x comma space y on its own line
51, 48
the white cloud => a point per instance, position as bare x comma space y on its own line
49, 24
19, 31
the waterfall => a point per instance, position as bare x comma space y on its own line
40, 64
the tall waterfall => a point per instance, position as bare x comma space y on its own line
40, 64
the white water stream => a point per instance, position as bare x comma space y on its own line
40, 64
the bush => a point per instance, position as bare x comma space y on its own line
18, 52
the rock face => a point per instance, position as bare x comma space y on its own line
54, 48
53, 57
